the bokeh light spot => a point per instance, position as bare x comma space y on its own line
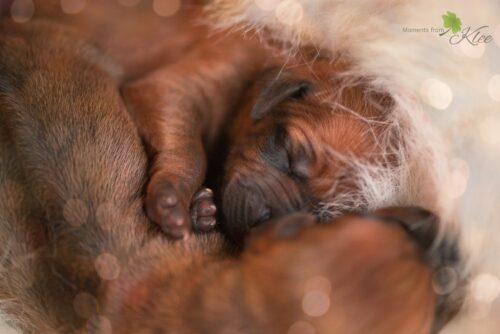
22, 11
301, 327
437, 94
166, 7
315, 303
445, 280
107, 266
485, 288
72, 6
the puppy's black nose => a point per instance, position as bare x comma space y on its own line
422, 225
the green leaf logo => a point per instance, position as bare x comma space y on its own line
451, 21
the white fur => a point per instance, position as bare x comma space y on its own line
368, 33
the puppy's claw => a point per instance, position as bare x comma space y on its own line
203, 211
203, 193
206, 223
206, 208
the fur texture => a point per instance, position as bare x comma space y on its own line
369, 35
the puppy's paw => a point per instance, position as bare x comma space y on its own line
203, 211
165, 206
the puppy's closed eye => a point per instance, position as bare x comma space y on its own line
276, 148
280, 152
276, 87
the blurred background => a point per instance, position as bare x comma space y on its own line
475, 142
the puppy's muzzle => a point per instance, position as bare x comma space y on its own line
251, 200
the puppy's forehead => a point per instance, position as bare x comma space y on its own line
336, 82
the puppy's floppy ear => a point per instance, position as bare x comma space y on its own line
275, 87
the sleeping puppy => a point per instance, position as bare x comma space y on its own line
298, 144
79, 254
311, 138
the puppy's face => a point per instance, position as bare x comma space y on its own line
294, 143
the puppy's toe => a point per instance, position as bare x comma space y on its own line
203, 211
164, 207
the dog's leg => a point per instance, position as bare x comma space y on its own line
179, 110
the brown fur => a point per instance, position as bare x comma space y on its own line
72, 180
179, 82
200, 291
290, 153
180, 110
